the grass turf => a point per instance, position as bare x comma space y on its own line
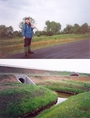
67, 86
77, 106
19, 99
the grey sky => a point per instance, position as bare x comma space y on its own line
62, 11
74, 65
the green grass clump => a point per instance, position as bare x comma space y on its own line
19, 99
77, 106
67, 86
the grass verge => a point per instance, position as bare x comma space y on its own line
66, 86
19, 99
77, 106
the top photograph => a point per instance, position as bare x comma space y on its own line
45, 29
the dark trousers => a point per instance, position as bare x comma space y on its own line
27, 42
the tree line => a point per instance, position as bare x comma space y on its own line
51, 28
76, 29
8, 32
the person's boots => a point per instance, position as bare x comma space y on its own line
29, 50
26, 51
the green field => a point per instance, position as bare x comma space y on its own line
15, 45
19, 99
77, 106
66, 86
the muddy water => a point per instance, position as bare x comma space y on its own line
62, 97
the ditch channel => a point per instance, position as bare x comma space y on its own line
62, 97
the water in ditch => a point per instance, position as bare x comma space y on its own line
62, 97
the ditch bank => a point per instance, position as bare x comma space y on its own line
49, 104
38, 110
19, 100
61, 98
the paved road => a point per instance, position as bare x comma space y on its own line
74, 50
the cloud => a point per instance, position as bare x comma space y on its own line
64, 12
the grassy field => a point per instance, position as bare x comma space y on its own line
77, 106
19, 99
66, 86
15, 45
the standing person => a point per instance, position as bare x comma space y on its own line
27, 31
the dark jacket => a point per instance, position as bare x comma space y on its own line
27, 30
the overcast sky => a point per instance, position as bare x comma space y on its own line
73, 65
63, 11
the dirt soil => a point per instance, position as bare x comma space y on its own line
5, 81
73, 50
38, 79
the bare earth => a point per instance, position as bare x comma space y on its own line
39, 79
73, 50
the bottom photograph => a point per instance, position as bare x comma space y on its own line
44, 88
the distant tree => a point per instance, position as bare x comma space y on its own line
2, 27
32, 21
58, 27
48, 25
38, 33
49, 33
6, 32
76, 28
19, 34
16, 34
52, 27
89, 28
68, 28
84, 28
9, 31
43, 32
2, 31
